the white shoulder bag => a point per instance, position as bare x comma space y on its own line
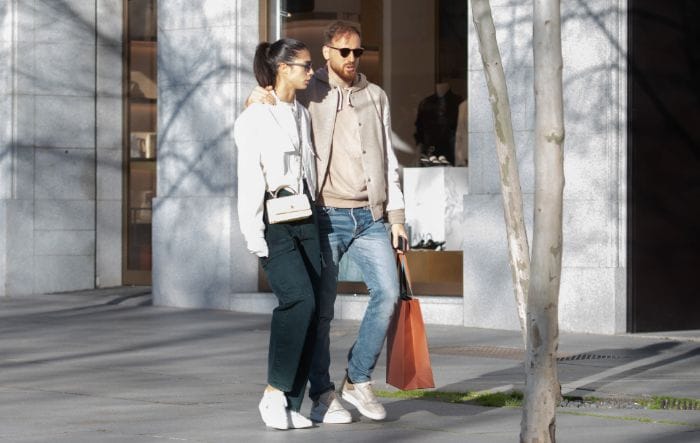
287, 208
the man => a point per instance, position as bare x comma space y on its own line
359, 185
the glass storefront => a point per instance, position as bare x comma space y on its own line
140, 138
416, 50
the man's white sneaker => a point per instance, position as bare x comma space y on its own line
273, 410
327, 409
298, 421
362, 397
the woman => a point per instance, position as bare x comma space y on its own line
275, 152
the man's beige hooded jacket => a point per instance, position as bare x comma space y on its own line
378, 160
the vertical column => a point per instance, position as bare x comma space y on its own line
50, 234
108, 147
487, 274
17, 168
63, 88
595, 168
6, 32
244, 266
594, 234
197, 259
18, 148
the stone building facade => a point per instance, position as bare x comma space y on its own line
62, 155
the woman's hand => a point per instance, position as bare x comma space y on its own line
258, 246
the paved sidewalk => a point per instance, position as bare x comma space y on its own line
106, 366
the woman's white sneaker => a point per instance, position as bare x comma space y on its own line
273, 410
327, 409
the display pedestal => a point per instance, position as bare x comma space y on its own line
434, 198
435, 272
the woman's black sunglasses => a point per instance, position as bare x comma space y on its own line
344, 52
307, 65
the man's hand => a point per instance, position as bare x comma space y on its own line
398, 230
260, 95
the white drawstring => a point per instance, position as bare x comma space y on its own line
339, 105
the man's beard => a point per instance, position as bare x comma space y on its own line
348, 77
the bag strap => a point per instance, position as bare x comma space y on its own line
296, 113
287, 187
404, 277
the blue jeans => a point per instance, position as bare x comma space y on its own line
368, 244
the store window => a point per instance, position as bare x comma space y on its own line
416, 50
140, 138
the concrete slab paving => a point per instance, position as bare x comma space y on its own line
106, 366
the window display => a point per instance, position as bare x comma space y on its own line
436, 124
416, 51
140, 140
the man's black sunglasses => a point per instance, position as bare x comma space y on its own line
344, 52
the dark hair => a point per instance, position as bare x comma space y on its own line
338, 28
269, 55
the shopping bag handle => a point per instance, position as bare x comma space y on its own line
405, 276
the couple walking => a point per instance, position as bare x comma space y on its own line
326, 135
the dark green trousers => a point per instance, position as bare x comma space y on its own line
293, 268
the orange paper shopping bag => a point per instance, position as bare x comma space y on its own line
408, 361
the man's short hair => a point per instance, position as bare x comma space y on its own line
339, 28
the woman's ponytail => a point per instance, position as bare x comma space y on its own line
262, 65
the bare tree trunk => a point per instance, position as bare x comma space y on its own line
543, 391
518, 249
